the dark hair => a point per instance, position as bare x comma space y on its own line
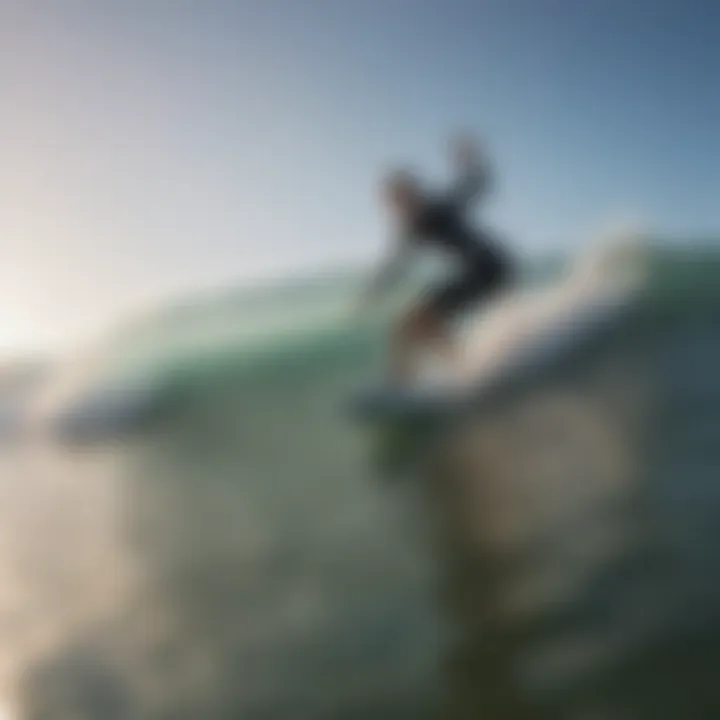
403, 179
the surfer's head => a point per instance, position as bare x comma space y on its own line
402, 191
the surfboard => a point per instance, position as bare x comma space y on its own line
516, 340
386, 401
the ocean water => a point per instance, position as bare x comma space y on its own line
237, 554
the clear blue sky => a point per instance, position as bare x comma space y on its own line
152, 146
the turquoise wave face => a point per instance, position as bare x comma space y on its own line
249, 328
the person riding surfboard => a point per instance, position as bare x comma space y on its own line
440, 220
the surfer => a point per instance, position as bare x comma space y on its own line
441, 221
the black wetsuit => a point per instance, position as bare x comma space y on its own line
485, 266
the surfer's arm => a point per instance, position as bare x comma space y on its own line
391, 269
473, 176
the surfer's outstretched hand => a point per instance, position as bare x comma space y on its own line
464, 151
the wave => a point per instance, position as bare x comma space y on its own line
237, 559
152, 363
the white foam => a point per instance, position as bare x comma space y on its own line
533, 323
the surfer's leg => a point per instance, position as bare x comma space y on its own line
435, 331
429, 325
439, 313
421, 328
476, 287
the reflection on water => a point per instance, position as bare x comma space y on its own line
233, 563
